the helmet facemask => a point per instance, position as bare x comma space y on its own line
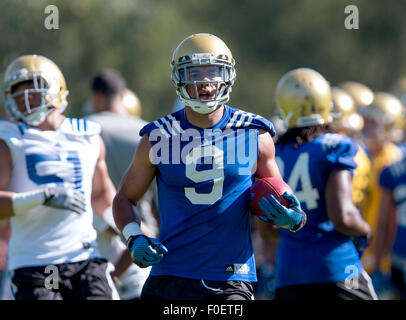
33, 115
220, 74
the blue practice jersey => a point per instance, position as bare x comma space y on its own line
402, 147
203, 178
393, 178
317, 253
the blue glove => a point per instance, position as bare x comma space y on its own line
292, 218
361, 243
146, 251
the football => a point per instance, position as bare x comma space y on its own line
263, 188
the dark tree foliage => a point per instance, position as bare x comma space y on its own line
267, 38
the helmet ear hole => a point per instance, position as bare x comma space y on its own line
184, 59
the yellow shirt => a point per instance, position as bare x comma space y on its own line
389, 154
361, 180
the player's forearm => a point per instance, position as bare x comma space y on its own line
103, 197
122, 264
6, 204
5, 230
101, 202
352, 224
12, 203
123, 212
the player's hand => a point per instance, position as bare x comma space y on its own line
361, 243
292, 218
146, 251
63, 198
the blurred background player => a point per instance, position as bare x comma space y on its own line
362, 95
318, 165
382, 151
204, 250
118, 110
399, 90
5, 232
52, 172
391, 227
347, 121
380, 135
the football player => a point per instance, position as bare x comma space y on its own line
205, 157
52, 172
112, 103
391, 226
362, 95
347, 121
321, 261
399, 91
379, 135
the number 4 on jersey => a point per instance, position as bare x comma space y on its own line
300, 172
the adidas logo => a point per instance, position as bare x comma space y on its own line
229, 268
237, 268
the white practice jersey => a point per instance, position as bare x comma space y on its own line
67, 156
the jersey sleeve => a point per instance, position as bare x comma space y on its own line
386, 180
163, 128
265, 124
340, 152
242, 119
147, 129
83, 127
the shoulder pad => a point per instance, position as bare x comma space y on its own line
9, 129
340, 150
80, 127
397, 169
241, 119
166, 126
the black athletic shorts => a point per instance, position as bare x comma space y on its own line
84, 280
176, 288
360, 290
398, 279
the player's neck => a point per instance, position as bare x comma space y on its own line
204, 120
52, 122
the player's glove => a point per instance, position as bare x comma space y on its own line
145, 251
292, 218
63, 198
361, 243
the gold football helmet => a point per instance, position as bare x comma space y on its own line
361, 94
303, 98
399, 89
344, 113
131, 103
385, 115
203, 49
47, 79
